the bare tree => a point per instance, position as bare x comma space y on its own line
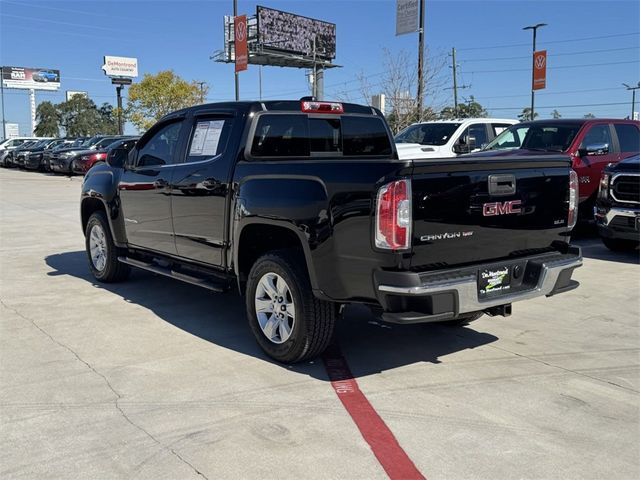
399, 82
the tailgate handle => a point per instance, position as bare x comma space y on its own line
502, 185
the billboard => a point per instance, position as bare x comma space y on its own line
120, 66
31, 78
292, 33
406, 16
11, 130
240, 32
73, 93
539, 70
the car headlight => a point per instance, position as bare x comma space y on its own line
603, 191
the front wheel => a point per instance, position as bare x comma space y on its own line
289, 323
102, 253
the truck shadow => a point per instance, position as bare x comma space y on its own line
369, 346
594, 248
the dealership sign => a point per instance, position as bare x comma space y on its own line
31, 78
240, 32
539, 70
406, 16
120, 67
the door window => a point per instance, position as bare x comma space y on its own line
208, 138
628, 137
498, 128
160, 149
478, 132
597, 135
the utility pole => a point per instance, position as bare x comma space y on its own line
633, 98
4, 126
202, 84
420, 60
237, 79
455, 80
533, 63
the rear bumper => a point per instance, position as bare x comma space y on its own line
414, 297
619, 223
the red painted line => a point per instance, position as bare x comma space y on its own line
375, 432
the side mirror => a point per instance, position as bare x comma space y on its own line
116, 157
594, 149
460, 148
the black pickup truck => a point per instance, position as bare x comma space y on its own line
305, 206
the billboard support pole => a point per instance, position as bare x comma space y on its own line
237, 79
32, 101
319, 82
420, 60
119, 97
4, 125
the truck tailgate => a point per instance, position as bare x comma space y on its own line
487, 209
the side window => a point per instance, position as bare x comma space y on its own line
160, 149
281, 136
208, 138
597, 135
498, 128
628, 137
476, 131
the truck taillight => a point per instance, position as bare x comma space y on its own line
393, 216
308, 106
573, 199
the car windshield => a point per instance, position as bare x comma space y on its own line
91, 142
105, 142
537, 136
428, 133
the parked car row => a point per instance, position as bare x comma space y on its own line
594, 147
63, 155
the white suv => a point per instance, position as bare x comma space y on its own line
448, 138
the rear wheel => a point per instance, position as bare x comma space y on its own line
289, 323
102, 252
619, 245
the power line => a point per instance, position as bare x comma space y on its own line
568, 40
528, 57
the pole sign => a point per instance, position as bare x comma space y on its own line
31, 78
120, 66
11, 130
240, 33
539, 70
406, 16
73, 93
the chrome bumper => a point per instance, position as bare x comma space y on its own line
465, 287
616, 212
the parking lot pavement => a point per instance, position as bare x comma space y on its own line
156, 379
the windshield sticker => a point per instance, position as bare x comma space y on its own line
206, 138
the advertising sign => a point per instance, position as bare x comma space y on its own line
11, 130
406, 16
73, 93
31, 78
240, 32
292, 33
539, 70
120, 66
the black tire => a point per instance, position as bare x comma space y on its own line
463, 319
314, 319
619, 245
113, 270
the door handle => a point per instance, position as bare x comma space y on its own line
160, 183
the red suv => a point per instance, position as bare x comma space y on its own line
592, 144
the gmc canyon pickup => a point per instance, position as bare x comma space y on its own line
306, 207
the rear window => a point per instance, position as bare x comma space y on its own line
297, 135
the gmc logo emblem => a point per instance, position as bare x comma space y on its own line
501, 208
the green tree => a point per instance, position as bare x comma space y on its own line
79, 117
555, 114
470, 109
525, 116
108, 119
47, 118
159, 94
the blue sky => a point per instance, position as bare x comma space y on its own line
493, 50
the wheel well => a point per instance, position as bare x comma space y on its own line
257, 240
89, 206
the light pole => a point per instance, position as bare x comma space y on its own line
533, 62
633, 97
